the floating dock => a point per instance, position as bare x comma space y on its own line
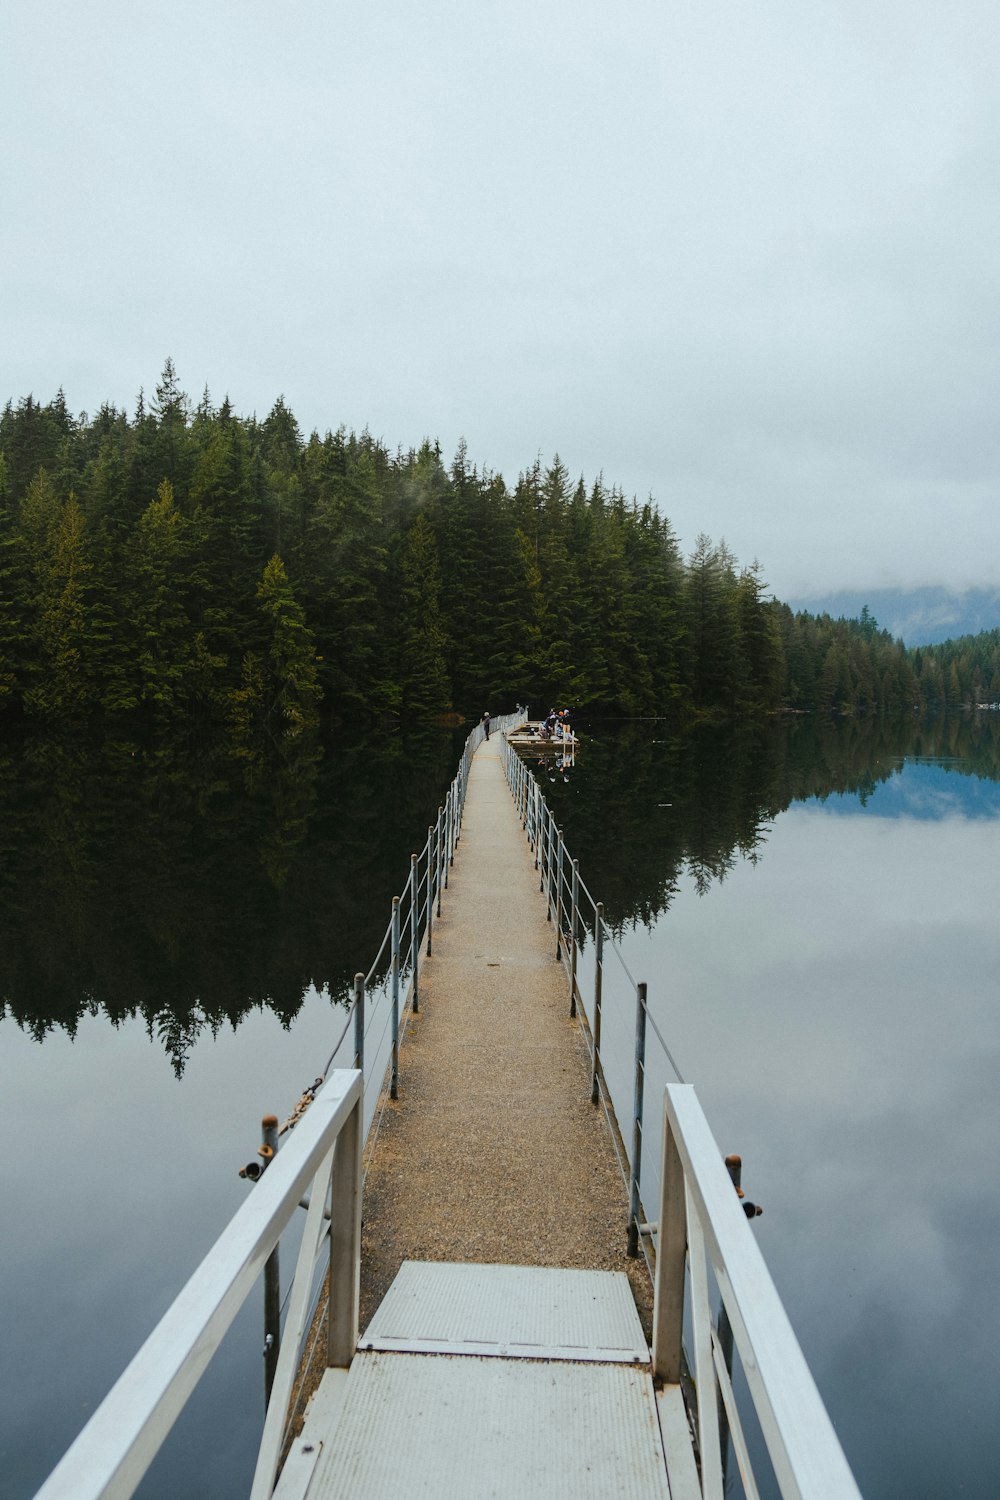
527, 738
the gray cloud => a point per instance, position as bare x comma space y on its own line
737, 256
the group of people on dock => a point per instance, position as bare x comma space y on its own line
556, 725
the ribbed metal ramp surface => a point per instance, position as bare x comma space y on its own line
489, 1381
516, 1311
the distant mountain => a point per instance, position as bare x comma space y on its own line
920, 617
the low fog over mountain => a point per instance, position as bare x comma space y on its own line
921, 617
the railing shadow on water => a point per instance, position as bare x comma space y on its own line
700, 1250
318, 1167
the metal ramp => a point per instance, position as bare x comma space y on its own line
488, 1381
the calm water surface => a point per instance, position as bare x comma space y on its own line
834, 999
814, 912
174, 938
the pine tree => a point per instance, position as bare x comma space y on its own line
159, 563
171, 408
425, 690
62, 567
760, 642
715, 664
12, 640
279, 692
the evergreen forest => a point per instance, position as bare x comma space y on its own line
185, 566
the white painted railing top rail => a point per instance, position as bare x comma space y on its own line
114, 1450
702, 1214
699, 1209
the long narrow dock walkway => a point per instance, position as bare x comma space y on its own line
487, 1335
494, 1152
504, 1344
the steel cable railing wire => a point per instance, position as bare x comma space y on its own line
561, 898
651, 1021
556, 880
612, 944
378, 957
436, 854
609, 941
424, 856
340, 1041
375, 1051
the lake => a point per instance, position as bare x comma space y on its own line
812, 906
827, 974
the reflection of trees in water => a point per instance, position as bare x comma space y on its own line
644, 809
175, 883
170, 882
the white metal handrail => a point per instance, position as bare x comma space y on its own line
573, 911
697, 1203
114, 1450
675, 1246
111, 1454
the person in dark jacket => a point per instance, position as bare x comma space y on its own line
486, 723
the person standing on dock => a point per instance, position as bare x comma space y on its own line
486, 723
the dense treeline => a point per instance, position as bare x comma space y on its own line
191, 565
962, 671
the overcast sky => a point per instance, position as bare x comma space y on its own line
742, 255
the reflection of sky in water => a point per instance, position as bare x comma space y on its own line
928, 790
836, 1007
115, 1180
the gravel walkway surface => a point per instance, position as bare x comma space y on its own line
493, 1151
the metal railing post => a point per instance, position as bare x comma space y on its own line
430, 892
598, 985
671, 1247
359, 1022
394, 1076
272, 1279
452, 822
535, 797
343, 1305
724, 1332
573, 916
437, 858
414, 933
544, 855
632, 1249
559, 886
447, 838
